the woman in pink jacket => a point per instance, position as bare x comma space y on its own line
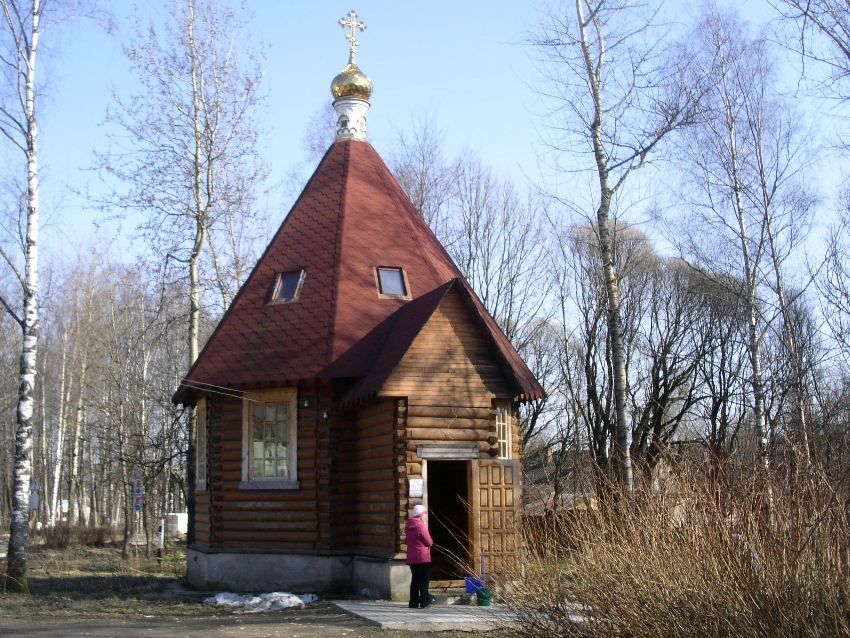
418, 557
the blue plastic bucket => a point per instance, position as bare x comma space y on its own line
473, 585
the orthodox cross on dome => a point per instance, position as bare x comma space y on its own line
350, 22
351, 88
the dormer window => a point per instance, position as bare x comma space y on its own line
287, 288
392, 283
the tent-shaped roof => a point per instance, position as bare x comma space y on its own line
351, 218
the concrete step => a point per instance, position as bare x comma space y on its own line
450, 594
389, 615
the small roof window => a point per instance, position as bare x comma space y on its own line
392, 282
288, 286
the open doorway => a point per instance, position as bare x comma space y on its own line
448, 518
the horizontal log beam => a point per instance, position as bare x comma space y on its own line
284, 528
443, 411
450, 422
445, 434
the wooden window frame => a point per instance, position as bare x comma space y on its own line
504, 442
302, 275
201, 432
405, 283
282, 396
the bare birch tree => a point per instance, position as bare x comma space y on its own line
606, 67
779, 194
189, 162
718, 151
22, 29
744, 160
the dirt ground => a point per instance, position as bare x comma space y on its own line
93, 592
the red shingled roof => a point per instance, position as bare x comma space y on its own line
351, 217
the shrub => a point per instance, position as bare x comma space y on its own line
677, 563
94, 536
59, 536
64, 535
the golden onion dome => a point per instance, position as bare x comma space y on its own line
351, 82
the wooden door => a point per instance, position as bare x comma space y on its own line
497, 498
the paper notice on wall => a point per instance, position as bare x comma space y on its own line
417, 488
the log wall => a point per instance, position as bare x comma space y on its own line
451, 376
228, 517
366, 515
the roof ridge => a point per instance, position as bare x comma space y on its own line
343, 193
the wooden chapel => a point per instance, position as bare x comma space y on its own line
355, 375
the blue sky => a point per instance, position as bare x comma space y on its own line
461, 64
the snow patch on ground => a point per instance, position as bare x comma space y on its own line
249, 604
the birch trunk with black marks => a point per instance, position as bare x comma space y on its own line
200, 215
23, 26
749, 263
621, 461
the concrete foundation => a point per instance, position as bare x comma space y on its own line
387, 579
299, 573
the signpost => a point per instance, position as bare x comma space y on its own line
34, 499
138, 490
35, 490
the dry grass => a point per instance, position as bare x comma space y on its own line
676, 563
81, 581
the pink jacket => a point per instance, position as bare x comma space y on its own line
418, 541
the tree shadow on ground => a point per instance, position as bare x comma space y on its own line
117, 586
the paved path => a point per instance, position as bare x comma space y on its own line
259, 626
389, 615
339, 619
